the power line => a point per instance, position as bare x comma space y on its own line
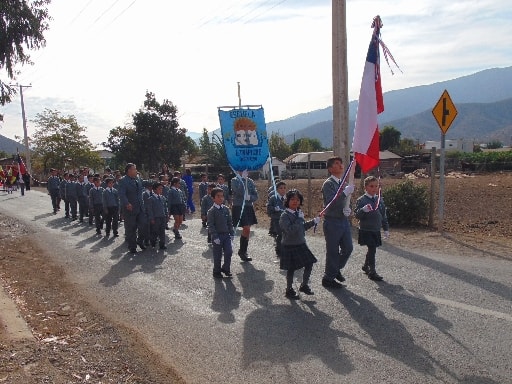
80, 12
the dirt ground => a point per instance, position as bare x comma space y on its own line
75, 343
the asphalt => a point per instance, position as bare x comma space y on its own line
437, 317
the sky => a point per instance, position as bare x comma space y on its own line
102, 56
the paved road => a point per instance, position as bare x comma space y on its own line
436, 318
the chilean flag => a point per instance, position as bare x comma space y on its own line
366, 132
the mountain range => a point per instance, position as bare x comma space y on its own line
483, 101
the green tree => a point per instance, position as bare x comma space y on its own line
389, 138
306, 144
278, 147
406, 147
154, 138
60, 142
22, 24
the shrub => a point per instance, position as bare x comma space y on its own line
406, 203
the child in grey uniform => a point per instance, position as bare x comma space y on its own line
157, 216
96, 203
206, 204
295, 253
177, 205
275, 206
371, 212
110, 198
220, 226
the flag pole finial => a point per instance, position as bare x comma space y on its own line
377, 22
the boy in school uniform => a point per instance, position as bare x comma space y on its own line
71, 195
62, 193
157, 216
148, 192
206, 204
220, 226
96, 203
164, 180
110, 199
221, 183
82, 198
203, 187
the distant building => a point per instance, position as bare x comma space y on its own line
297, 164
278, 167
451, 145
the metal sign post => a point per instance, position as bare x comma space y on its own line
444, 112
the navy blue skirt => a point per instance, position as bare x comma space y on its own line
248, 216
177, 209
370, 238
294, 257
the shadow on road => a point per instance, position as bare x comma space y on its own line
285, 334
225, 300
453, 272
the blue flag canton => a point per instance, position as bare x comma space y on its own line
245, 138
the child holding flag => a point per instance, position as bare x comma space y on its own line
371, 212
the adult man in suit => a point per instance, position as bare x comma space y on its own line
132, 205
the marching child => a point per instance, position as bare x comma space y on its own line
275, 206
157, 216
110, 199
221, 183
96, 203
295, 253
206, 204
371, 213
203, 187
220, 226
177, 205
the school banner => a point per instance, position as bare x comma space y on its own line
244, 134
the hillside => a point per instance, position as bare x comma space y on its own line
486, 87
10, 146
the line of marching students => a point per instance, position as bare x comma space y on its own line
147, 205
95, 198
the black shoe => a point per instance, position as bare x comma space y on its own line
133, 250
305, 288
116, 234
141, 245
162, 247
217, 275
98, 231
366, 269
291, 294
331, 284
375, 276
244, 256
340, 277
227, 273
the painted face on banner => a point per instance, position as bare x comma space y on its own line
245, 132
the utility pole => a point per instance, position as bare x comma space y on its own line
340, 81
25, 135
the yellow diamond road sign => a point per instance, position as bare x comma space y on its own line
444, 112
